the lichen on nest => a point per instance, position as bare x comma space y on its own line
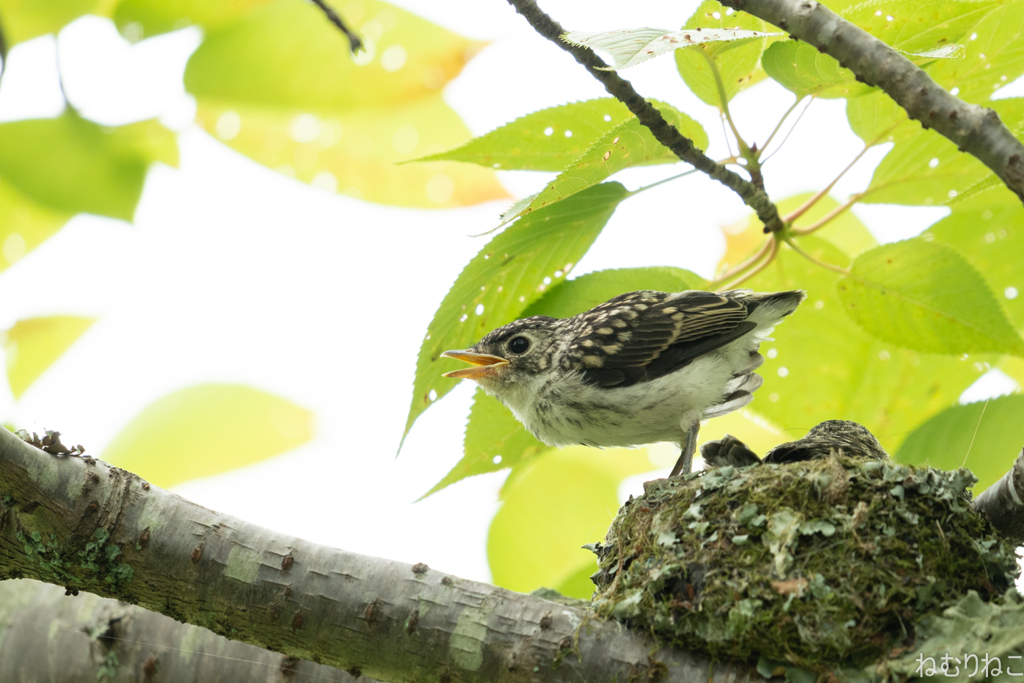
814, 563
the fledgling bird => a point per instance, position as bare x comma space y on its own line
830, 436
643, 367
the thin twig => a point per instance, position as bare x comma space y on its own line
354, 41
853, 199
824, 264
749, 263
788, 133
790, 217
650, 117
774, 244
778, 126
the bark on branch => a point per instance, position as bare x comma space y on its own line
972, 128
78, 523
89, 638
648, 115
1003, 502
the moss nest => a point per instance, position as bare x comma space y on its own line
825, 561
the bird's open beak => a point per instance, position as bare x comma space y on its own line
484, 364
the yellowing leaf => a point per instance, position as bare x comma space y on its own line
561, 501
73, 165
24, 224
207, 429
154, 18
925, 296
279, 85
33, 344
27, 19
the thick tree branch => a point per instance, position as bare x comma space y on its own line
1003, 502
648, 115
79, 523
972, 128
96, 639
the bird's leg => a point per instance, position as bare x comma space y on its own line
685, 462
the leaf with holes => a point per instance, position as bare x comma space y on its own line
631, 46
339, 122
207, 429
72, 165
991, 238
739, 70
34, 344
822, 365
546, 140
505, 277
978, 436
935, 29
994, 57
925, 296
550, 508
626, 145
926, 168
24, 224
495, 440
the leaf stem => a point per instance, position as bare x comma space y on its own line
790, 217
773, 249
778, 126
788, 133
824, 264
853, 199
746, 265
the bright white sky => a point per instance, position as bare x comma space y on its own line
234, 273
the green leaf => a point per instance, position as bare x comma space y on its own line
280, 86
546, 140
978, 436
626, 145
925, 296
27, 19
803, 70
24, 224
580, 294
154, 18
992, 240
844, 231
739, 70
631, 46
561, 501
994, 57
495, 440
33, 344
926, 168
920, 26
822, 365
505, 277
207, 429
73, 165
876, 118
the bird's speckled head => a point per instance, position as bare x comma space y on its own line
512, 354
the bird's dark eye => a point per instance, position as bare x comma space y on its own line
519, 345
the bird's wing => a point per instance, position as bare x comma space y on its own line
643, 335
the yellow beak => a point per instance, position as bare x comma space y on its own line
484, 364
